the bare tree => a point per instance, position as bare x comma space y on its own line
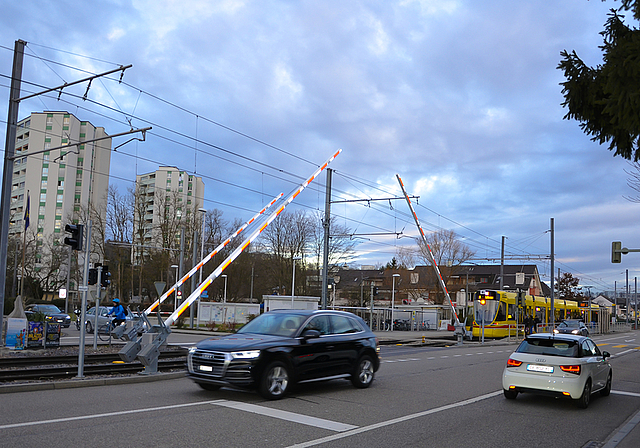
634, 181
447, 250
289, 235
341, 246
119, 216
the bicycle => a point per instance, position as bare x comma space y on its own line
104, 331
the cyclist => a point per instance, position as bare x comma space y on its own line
118, 312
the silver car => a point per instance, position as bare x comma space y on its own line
560, 365
103, 319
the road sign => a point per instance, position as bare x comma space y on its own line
62, 293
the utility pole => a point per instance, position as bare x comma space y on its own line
7, 173
325, 251
553, 316
502, 265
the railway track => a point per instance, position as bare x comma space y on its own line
47, 368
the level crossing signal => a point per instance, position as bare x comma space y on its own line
75, 240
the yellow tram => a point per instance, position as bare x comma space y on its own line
499, 309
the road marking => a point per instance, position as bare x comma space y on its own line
630, 394
395, 421
619, 346
622, 433
286, 415
108, 414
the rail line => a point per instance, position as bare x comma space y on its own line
60, 367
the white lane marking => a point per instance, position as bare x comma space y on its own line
620, 392
395, 421
622, 353
285, 415
108, 414
622, 433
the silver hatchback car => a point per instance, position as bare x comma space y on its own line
561, 365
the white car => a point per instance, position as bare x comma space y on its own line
560, 365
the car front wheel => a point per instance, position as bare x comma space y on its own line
275, 381
583, 401
89, 327
364, 373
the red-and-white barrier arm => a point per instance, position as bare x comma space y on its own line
424, 239
216, 273
209, 257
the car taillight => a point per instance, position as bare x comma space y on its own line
513, 363
571, 369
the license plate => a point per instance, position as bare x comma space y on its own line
206, 368
537, 368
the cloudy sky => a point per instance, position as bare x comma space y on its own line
461, 98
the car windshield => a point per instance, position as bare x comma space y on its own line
276, 324
569, 323
550, 347
48, 309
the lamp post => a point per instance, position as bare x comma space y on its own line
203, 211
175, 302
393, 296
293, 279
224, 297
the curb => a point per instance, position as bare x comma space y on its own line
89, 382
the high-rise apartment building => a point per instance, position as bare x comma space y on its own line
65, 180
166, 200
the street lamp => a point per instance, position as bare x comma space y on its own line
293, 279
393, 296
203, 211
175, 302
224, 297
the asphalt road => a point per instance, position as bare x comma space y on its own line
422, 397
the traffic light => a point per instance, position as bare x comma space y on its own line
105, 279
93, 276
375, 290
75, 240
616, 252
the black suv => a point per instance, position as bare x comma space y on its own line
283, 347
51, 312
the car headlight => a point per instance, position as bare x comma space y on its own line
575, 331
248, 354
556, 331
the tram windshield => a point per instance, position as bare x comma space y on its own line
487, 311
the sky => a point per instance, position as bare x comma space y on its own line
461, 98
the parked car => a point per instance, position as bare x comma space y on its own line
572, 326
51, 312
283, 347
560, 365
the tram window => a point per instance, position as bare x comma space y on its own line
502, 311
512, 311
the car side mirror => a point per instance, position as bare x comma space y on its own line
311, 334
606, 355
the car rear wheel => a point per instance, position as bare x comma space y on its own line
510, 394
364, 373
607, 389
275, 381
583, 401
